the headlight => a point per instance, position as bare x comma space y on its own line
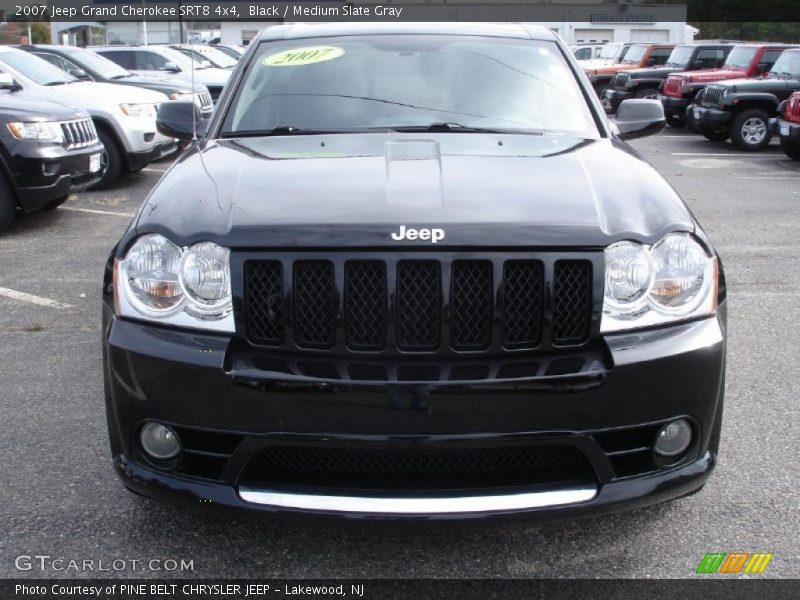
205, 279
43, 131
673, 280
188, 287
141, 111
181, 96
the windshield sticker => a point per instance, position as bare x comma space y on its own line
303, 56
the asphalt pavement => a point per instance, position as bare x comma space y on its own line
59, 496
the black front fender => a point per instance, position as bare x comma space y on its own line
769, 101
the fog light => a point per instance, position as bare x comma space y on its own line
673, 438
159, 441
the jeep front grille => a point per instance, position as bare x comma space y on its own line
673, 86
620, 81
204, 102
79, 133
792, 112
713, 96
418, 304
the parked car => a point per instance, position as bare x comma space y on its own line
745, 60
741, 109
47, 151
232, 50
201, 52
85, 64
610, 54
586, 51
124, 116
361, 308
787, 126
645, 83
638, 56
163, 61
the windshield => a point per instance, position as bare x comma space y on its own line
740, 57
788, 63
610, 51
104, 67
184, 61
680, 56
215, 57
393, 82
635, 54
34, 68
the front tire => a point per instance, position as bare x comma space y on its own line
750, 130
8, 204
791, 149
111, 161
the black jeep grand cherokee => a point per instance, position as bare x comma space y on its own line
412, 271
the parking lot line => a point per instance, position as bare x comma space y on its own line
96, 212
38, 300
149, 170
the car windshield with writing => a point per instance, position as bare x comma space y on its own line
787, 65
452, 84
680, 56
740, 57
635, 54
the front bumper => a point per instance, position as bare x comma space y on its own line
612, 98
787, 130
227, 414
673, 106
712, 118
44, 174
137, 160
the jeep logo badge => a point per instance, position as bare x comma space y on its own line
434, 235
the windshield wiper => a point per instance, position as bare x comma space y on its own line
52, 83
456, 127
125, 76
284, 130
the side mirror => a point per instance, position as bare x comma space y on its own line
639, 118
79, 74
7, 83
762, 68
172, 67
651, 62
175, 119
205, 63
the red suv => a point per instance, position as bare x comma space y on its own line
745, 60
787, 126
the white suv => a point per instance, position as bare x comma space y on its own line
124, 116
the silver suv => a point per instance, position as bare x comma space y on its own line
124, 116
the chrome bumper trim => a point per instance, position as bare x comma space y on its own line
417, 505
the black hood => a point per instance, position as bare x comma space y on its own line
654, 72
759, 84
356, 189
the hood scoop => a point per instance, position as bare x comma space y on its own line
414, 174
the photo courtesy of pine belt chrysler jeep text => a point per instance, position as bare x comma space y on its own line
413, 271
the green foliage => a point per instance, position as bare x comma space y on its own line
788, 32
